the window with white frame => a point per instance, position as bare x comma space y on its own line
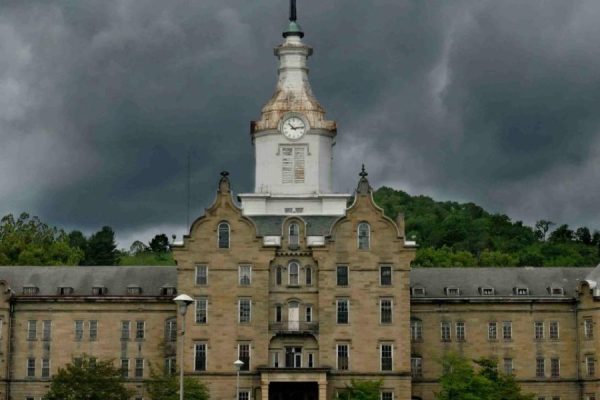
416, 330
223, 235
342, 350
540, 367
416, 366
521, 291
245, 275
308, 276
538, 327
385, 310
590, 396
201, 310
507, 330
588, 328
45, 367
311, 360
461, 334
492, 330
275, 358
343, 311
294, 235
385, 395
342, 275
452, 291
308, 311
46, 330
201, 275
244, 310
590, 365
244, 356
244, 395
31, 330
171, 329
200, 357
125, 330
364, 236
293, 273
78, 330
508, 366
125, 367
386, 356
445, 328
554, 330
292, 164
385, 275
140, 330
278, 275
31, 367
93, 330
555, 367
139, 367
170, 365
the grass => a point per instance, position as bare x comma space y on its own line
147, 258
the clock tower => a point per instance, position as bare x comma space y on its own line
293, 141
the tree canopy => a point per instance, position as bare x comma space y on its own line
88, 379
166, 387
361, 390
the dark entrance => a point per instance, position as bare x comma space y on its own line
293, 391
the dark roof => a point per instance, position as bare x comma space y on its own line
82, 279
502, 279
316, 225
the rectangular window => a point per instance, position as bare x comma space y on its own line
278, 313
538, 330
540, 367
508, 366
78, 330
588, 328
385, 275
308, 276
507, 330
342, 311
555, 367
342, 275
386, 357
293, 357
200, 357
387, 395
140, 328
45, 368
201, 310
244, 395
416, 330
294, 274
342, 357
492, 330
292, 158
308, 314
171, 330
275, 359
201, 275
244, 356
590, 365
445, 327
311, 360
125, 367
139, 367
93, 330
31, 330
244, 306
46, 330
416, 367
31, 367
590, 396
385, 311
245, 272
125, 325
460, 331
170, 365
554, 332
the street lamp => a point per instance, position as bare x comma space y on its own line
238, 365
183, 301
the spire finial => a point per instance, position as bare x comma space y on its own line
363, 172
293, 12
224, 174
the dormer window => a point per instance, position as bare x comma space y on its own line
418, 291
223, 235
168, 291
134, 290
65, 290
452, 291
486, 291
294, 236
99, 290
30, 290
556, 291
521, 291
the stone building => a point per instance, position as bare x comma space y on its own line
309, 288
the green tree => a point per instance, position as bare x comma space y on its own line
476, 380
361, 390
561, 234
159, 244
88, 380
541, 229
583, 235
166, 387
28, 241
102, 249
137, 248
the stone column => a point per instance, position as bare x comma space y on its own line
322, 391
264, 390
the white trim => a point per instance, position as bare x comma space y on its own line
249, 344
205, 344
240, 268
240, 308
290, 273
337, 355
297, 225
381, 344
196, 310
196, 275
337, 301
381, 299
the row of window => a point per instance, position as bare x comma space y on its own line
98, 290
363, 234
419, 291
92, 330
495, 330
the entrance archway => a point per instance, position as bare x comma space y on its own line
293, 391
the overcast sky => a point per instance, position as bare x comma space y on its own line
495, 102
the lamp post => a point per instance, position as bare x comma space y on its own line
238, 365
183, 301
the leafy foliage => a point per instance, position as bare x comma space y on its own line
101, 248
452, 234
146, 258
166, 387
361, 390
462, 381
28, 241
159, 244
88, 380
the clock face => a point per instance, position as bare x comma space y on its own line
293, 128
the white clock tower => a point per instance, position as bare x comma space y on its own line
293, 142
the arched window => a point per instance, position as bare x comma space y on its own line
278, 274
308, 275
364, 236
293, 270
223, 235
294, 236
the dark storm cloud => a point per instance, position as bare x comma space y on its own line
101, 101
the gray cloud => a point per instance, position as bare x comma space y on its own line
101, 101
